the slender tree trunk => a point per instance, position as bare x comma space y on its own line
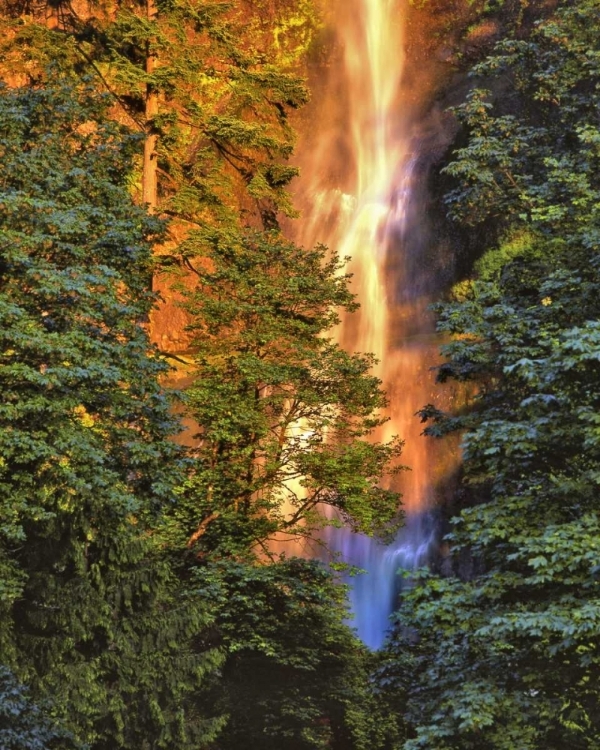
149, 177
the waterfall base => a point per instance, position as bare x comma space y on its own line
374, 593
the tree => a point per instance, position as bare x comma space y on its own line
23, 725
91, 612
284, 413
210, 91
218, 109
295, 675
208, 88
508, 656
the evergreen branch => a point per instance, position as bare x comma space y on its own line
108, 88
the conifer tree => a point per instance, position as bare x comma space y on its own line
91, 613
23, 724
206, 86
295, 675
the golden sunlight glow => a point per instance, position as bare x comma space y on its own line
356, 189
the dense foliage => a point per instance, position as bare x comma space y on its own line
208, 90
295, 676
508, 656
143, 600
23, 724
284, 412
86, 467
121, 553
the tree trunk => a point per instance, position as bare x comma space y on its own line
149, 177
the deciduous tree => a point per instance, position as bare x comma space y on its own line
509, 656
285, 414
91, 613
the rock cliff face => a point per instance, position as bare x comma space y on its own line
168, 320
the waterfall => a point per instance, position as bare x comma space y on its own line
360, 195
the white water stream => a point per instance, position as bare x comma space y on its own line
357, 192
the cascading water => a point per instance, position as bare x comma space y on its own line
358, 193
